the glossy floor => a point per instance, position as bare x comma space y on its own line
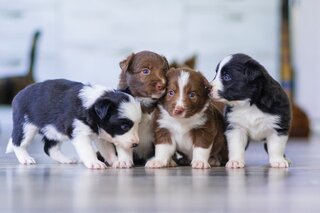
51, 187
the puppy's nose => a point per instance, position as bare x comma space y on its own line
134, 145
178, 110
159, 86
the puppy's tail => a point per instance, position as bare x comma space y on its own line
9, 146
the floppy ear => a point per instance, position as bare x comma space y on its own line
102, 107
170, 71
253, 70
124, 65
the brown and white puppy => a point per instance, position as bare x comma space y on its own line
186, 121
143, 76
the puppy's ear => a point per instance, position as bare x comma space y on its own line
124, 65
166, 66
102, 107
206, 83
170, 71
253, 70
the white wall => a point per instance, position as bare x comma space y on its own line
306, 45
85, 40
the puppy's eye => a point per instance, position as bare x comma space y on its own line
125, 127
171, 92
226, 77
146, 71
192, 95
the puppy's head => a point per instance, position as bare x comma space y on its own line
237, 78
187, 92
144, 74
117, 116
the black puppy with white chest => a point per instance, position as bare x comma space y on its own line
257, 108
63, 110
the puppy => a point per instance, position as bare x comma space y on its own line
63, 110
143, 76
186, 121
257, 108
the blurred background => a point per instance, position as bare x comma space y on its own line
85, 41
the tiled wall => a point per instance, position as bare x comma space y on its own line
85, 40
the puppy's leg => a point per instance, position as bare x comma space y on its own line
22, 136
125, 158
107, 151
163, 156
276, 146
86, 153
52, 149
237, 140
200, 158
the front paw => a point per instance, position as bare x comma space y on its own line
156, 163
122, 164
95, 164
200, 164
279, 163
234, 164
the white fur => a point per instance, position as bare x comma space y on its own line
90, 93
182, 83
57, 155
146, 136
216, 83
146, 101
52, 133
249, 122
163, 156
82, 142
21, 152
201, 157
180, 128
131, 110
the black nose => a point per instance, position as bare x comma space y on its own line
134, 145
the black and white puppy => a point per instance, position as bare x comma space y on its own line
257, 108
63, 110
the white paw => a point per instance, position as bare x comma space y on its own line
279, 163
68, 161
95, 164
199, 164
155, 163
233, 164
122, 164
27, 160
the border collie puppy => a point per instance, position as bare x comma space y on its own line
187, 121
63, 110
143, 76
257, 108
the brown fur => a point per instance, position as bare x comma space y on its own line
133, 78
209, 133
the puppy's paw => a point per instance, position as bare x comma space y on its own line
214, 162
279, 163
156, 163
95, 164
122, 164
200, 164
234, 164
69, 161
27, 160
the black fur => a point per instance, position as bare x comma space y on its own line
250, 80
57, 102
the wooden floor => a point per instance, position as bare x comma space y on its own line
51, 187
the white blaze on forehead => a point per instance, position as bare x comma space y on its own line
89, 94
216, 83
182, 83
131, 109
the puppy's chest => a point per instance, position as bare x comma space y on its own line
257, 123
145, 135
180, 130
